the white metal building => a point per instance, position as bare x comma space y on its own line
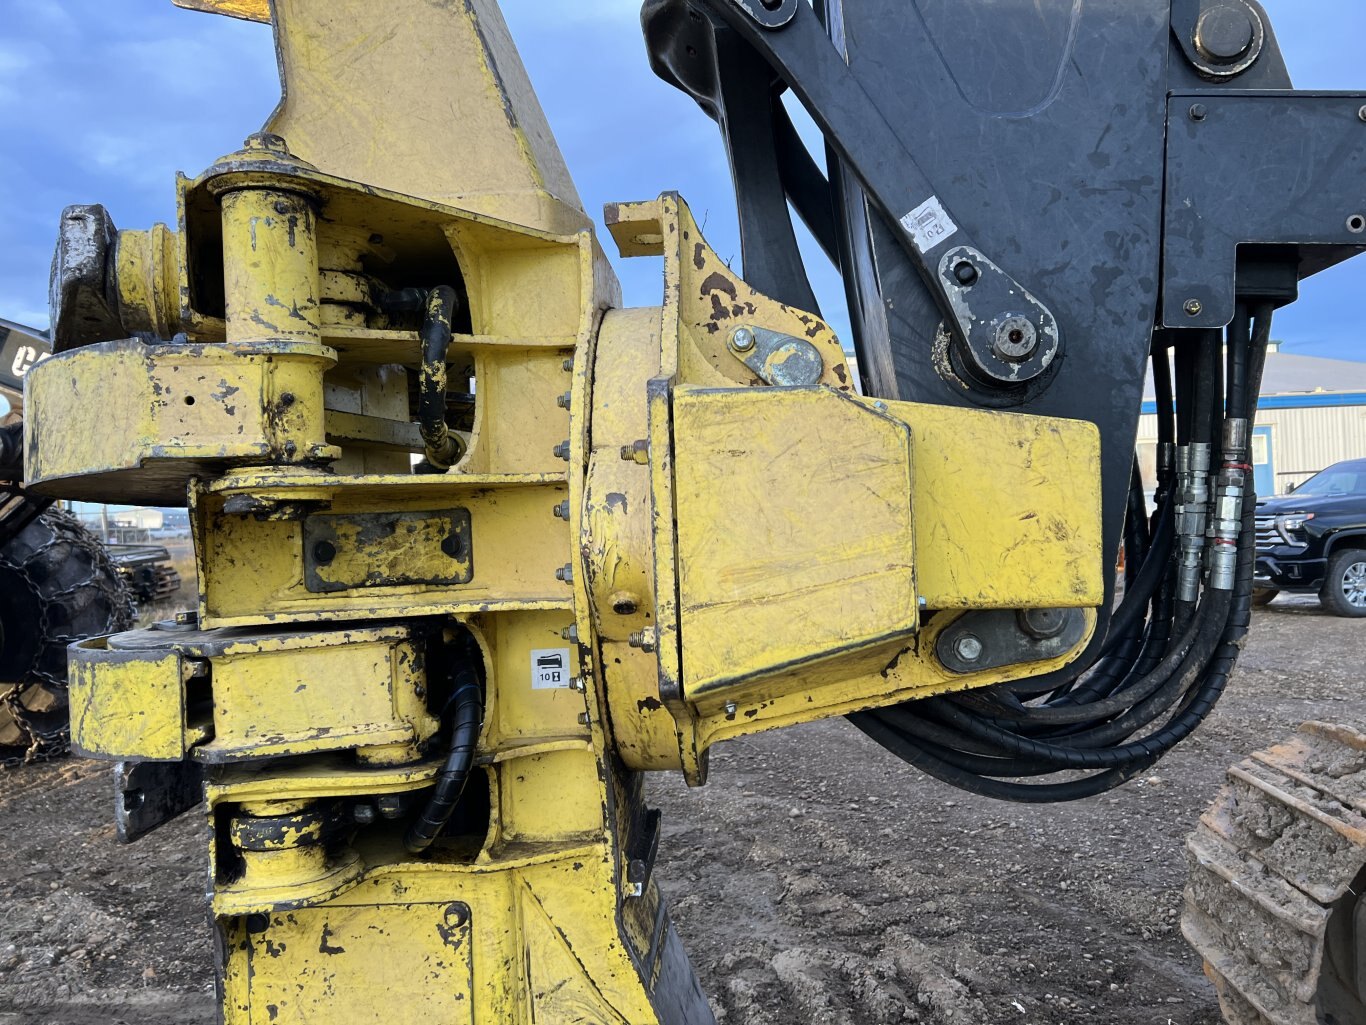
1312, 414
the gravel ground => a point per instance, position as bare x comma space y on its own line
816, 879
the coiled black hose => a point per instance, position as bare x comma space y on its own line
1165, 663
467, 717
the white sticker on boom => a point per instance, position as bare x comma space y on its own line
550, 669
929, 224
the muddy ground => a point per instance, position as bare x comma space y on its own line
816, 879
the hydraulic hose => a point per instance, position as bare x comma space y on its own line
443, 448
467, 718
1143, 697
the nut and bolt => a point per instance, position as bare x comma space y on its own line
968, 648
636, 452
571, 633
562, 451
564, 400
583, 719
731, 709
578, 684
644, 640
565, 574
742, 340
568, 365
1016, 338
562, 510
1194, 307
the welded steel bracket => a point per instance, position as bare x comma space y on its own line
853, 123
1232, 184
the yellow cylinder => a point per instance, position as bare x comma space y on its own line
270, 267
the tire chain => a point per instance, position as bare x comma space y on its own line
47, 741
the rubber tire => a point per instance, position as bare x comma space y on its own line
55, 571
1332, 597
1264, 595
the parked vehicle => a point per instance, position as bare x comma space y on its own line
1314, 540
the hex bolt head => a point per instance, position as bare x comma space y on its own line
571, 633
644, 640
968, 648
1194, 307
1198, 112
564, 400
324, 552
578, 683
568, 365
583, 719
562, 451
364, 813
565, 574
742, 340
562, 510
731, 709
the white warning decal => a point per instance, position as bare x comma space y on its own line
550, 669
929, 224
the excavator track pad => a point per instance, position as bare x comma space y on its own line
1276, 869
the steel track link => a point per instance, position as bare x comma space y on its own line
1276, 866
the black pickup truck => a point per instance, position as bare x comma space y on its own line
1314, 540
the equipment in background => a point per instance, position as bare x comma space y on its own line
478, 547
58, 584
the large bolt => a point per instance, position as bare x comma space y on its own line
968, 648
1042, 624
1194, 307
1016, 338
742, 339
562, 451
565, 574
1225, 34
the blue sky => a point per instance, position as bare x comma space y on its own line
104, 100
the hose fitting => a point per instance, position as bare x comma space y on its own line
1194, 513
1226, 519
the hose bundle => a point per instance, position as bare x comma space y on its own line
1172, 642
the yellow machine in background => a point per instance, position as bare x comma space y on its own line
666, 527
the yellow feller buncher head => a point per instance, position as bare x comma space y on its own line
477, 547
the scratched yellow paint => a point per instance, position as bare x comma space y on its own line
128, 709
758, 559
